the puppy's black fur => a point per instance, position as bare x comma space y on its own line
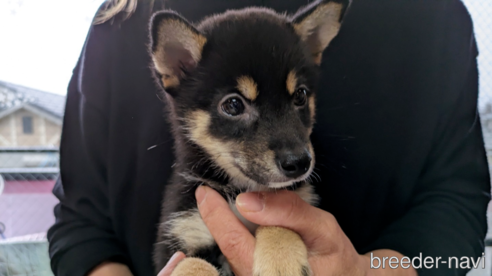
240, 91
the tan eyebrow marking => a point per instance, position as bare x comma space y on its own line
247, 86
291, 82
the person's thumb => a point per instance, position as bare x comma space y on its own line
173, 262
287, 209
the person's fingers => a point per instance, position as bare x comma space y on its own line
110, 268
233, 238
173, 262
286, 209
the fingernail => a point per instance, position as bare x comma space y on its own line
200, 194
173, 258
171, 261
251, 202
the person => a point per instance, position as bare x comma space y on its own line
401, 165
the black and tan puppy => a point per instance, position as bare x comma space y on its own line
240, 91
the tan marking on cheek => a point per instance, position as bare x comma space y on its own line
291, 82
259, 158
279, 251
197, 123
317, 58
311, 151
312, 112
247, 86
269, 159
312, 107
170, 81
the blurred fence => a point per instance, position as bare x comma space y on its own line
481, 11
30, 129
28, 175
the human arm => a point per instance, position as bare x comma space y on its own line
82, 236
110, 269
447, 214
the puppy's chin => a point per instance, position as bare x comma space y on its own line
282, 181
242, 179
290, 182
280, 185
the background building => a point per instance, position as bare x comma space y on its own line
30, 129
29, 117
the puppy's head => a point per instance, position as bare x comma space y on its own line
242, 83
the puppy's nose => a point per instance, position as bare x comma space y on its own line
294, 165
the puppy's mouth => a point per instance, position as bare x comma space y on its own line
290, 182
277, 181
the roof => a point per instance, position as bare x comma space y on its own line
52, 104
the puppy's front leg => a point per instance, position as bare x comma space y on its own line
279, 252
194, 267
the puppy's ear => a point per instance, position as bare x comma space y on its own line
176, 47
318, 23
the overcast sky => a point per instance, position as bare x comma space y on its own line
40, 40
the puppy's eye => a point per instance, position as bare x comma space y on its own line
300, 96
233, 106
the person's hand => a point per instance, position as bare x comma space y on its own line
110, 269
172, 263
117, 269
329, 249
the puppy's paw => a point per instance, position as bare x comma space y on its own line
194, 267
280, 252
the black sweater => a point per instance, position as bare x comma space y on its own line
398, 141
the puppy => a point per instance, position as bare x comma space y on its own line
240, 88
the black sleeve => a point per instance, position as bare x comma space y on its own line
83, 236
447, 217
